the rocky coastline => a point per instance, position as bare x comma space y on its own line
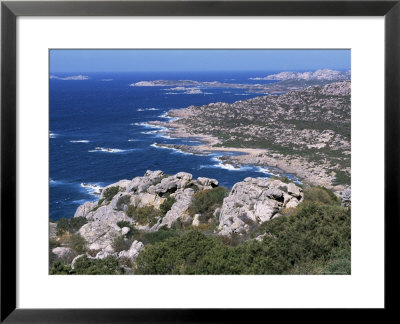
320, 169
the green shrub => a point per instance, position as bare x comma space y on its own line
338, 266
52, 257
59, 268
100, 201
154, 237
62, 226
131, 211
109, 193
315, 238
166, 205
53, 244
340, 262
133, 231
122, 224
193, 186
320, 195
147, 215
120, 243
174, 255
206, 201
105, 266
284, 179
123, 201
159, 236
341, 178
77, 243
71, 225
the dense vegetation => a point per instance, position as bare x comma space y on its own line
144, 215
314, 238
166, 205
206, 201
86, 266
70, 225
110, 192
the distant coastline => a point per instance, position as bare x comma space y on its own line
263, 157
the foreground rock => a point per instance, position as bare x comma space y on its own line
64, 254
255, 201
157, 201
133, 251
149, 191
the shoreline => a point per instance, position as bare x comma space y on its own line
305, 171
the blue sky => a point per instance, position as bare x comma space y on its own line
79, 61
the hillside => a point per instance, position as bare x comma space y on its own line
307, 132
174, 224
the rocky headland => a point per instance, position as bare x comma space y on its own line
304, 132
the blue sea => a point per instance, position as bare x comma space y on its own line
87, 117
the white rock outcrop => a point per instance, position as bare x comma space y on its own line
150, 190
64, 254
255, 201
178, 209
250, 202
133, 251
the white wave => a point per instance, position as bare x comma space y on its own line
106, 80
167, 136
226, 166
165, 115
54, 182
79, 141
174, 150
147, 109
92, 188
146, 125
266, 171
132, 140
80, 201
150, 132
110, 150
53, 135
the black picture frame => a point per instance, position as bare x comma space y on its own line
10, 10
